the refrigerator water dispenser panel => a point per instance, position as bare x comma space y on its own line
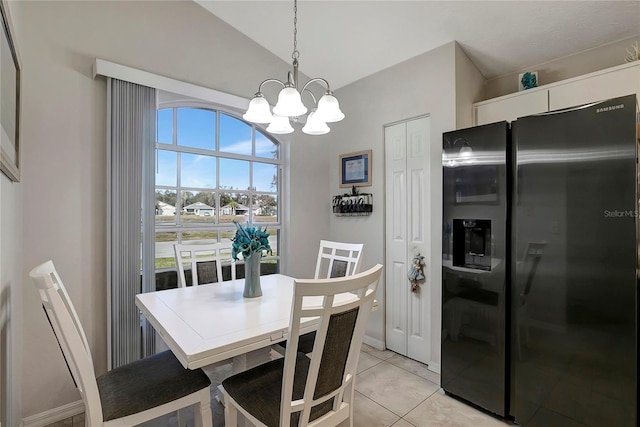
472, 243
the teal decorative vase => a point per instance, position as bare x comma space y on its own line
252, 287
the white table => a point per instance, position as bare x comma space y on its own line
207, 324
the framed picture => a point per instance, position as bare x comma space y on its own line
9, 100
355, 169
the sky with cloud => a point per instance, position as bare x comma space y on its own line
196, 128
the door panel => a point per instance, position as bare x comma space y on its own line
396, 241
407, 217
418, 131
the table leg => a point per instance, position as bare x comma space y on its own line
247, 361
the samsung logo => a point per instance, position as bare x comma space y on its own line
611, 108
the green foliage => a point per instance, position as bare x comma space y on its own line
167, 196
267, 202
165, 263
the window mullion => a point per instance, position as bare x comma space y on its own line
201, 228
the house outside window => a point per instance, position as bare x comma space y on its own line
212, 169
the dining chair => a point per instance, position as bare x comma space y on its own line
335, 259
130, 394
532, 256
205, 262
302, 390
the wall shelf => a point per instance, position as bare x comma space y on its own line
355, 205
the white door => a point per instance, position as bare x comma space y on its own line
407, 233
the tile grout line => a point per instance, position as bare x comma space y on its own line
383, 407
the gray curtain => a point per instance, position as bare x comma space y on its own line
132, 116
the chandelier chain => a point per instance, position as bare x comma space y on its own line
295, 54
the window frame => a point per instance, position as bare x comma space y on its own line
219, 228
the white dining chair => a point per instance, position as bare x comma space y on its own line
130, 394
335, 259
205, 262
315, 390
338, 259
526, 272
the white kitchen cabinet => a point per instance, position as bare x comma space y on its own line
595, 88
600, 85
511, 107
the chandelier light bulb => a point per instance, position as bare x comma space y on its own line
259, 110
329, 108
280, 125
289, 103
314, 125
466, 152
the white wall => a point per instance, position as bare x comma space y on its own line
422, 85
64, 151
10, 299
11, 279
310, 205
469, 88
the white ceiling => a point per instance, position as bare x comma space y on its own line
343, 41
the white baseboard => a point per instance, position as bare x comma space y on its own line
54, 415
433, 367
375, 343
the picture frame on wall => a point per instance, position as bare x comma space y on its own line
355, 169
9, 99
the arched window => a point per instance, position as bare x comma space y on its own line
212, 168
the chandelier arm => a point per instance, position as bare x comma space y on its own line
315, 101
462, 142
317, 79
270, 80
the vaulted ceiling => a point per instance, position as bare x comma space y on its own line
344, 41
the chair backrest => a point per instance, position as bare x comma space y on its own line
339, 336
68, 331
205, 262
530, 265
336, 259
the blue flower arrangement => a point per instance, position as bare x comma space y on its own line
250, 240
529, 80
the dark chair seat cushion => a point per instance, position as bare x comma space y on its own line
482, 296
147, 383
305, 342
258, 390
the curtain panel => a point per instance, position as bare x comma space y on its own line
130, 148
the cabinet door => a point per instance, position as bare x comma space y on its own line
510, 108
596, 88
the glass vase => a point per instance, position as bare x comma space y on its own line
252, 287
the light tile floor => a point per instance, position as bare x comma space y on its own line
391, 390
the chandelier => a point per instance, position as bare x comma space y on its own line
290, 107
457, 156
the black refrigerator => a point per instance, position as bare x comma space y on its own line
540, 266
